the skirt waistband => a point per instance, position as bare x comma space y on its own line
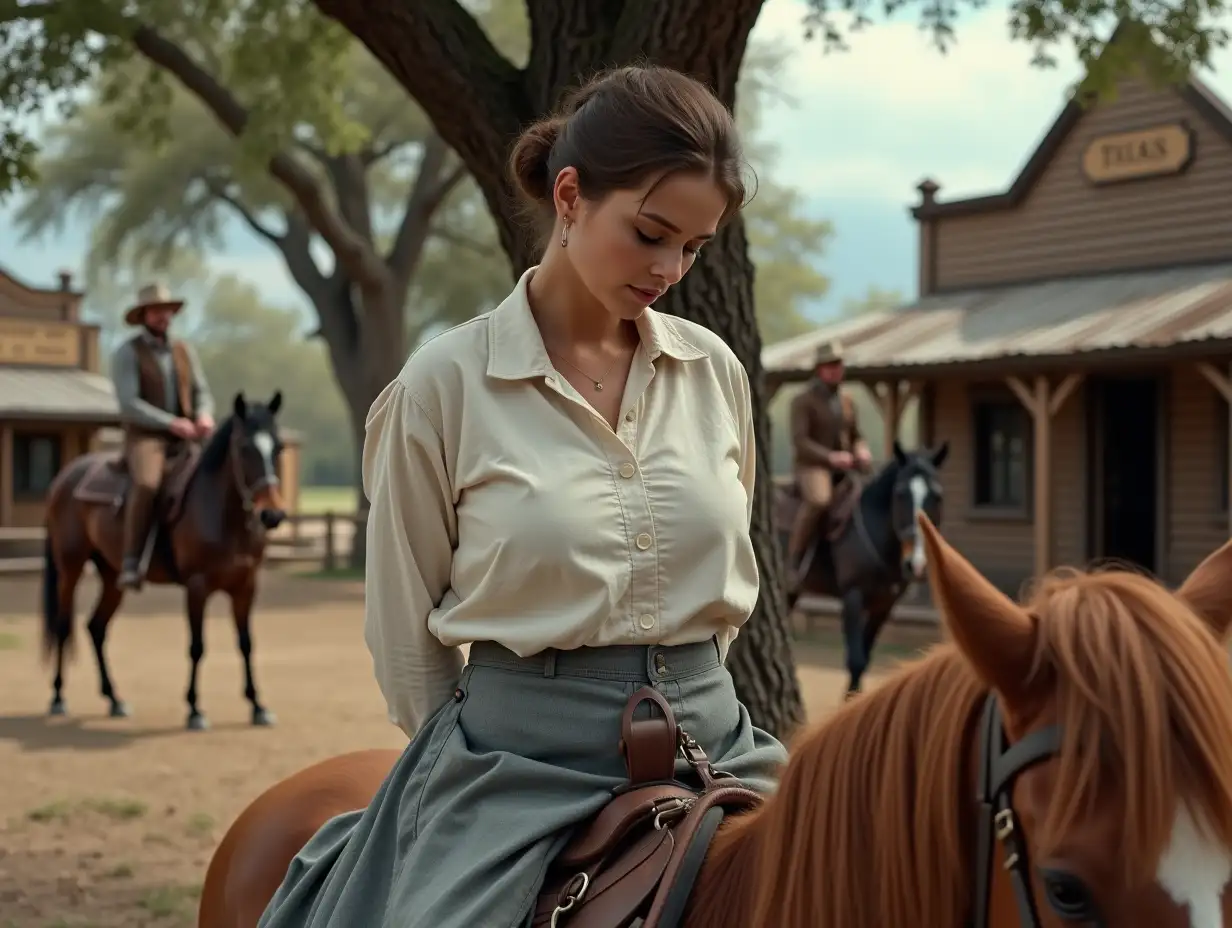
629, 663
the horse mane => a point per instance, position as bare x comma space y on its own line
214, 454
879, 796
1143, 692
873, 798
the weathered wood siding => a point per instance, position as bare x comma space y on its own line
1001, 548
1067, 226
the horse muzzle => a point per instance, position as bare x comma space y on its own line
914, 564
272, 518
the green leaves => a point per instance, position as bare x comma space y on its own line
1165, 40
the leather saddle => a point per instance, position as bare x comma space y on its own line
634, 864
842, 506
108, 482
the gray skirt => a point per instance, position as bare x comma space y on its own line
461, 833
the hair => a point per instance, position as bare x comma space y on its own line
878, 797
627, 126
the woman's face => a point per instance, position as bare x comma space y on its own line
629, 247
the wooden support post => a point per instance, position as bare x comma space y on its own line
1043, 403
6, 475
892, 400
1223, 385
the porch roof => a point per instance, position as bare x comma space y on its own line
56, 394
1030, 326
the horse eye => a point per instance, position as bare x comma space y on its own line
1068, 896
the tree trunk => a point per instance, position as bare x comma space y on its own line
478, 101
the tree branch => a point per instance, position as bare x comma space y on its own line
483, 249
218, 190
473, 96
433, 183
350, 249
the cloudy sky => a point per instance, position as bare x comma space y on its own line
866, 127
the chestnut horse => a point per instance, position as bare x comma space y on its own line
1066, 761
217, 542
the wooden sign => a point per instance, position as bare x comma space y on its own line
48, 344
1153, 152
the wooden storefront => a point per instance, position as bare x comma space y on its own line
53, 399
1072, 340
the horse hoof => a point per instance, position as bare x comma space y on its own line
198, 722
57, 708
850, 695
263, 718
120, 710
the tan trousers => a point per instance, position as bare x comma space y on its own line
146, 456
816, 490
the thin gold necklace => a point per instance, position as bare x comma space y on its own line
597, 383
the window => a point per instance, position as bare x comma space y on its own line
1002, 454
36, 461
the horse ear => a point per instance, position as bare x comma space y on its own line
996, 635
939, 456
899, 454
275, 404
1208, 591
240, 406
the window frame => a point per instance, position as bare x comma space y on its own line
981, 400
22, 441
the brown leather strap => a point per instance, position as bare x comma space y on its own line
648, 745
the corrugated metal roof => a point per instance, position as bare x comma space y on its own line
56, 393
1119, 311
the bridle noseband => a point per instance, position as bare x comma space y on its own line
1000, 765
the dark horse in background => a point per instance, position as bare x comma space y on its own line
215, 507
877, 553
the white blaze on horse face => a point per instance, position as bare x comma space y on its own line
1194, 871
919, 494
264, 443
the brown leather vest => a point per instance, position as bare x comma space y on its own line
150, 378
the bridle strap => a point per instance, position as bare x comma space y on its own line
1000, 765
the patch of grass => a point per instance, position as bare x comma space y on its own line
9, 641
58, 810
338, 573
61, 810
120, 872
200, 825
121, 810
166, 901
320, 500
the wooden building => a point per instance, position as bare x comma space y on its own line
53, 399
55, 404
1072, 339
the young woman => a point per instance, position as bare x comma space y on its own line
565, 481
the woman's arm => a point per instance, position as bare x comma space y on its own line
412, 529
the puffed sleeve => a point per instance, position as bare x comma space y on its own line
412, 529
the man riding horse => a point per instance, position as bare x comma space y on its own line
826, 445
164, 402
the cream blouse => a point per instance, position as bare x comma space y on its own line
504, 508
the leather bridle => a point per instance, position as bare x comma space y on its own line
1000, 765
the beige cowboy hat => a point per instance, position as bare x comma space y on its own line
829, 352
148, 297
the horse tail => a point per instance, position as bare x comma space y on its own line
53, 622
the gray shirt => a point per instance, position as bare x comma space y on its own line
136, 411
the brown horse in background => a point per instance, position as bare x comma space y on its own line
1068, 761
213, 540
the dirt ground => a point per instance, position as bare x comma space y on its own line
107, 823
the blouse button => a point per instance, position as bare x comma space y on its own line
643, 541
627, 470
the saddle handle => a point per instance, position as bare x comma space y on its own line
649, 746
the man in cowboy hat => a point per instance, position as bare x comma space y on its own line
164, 401
826, 444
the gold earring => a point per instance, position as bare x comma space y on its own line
564, 234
